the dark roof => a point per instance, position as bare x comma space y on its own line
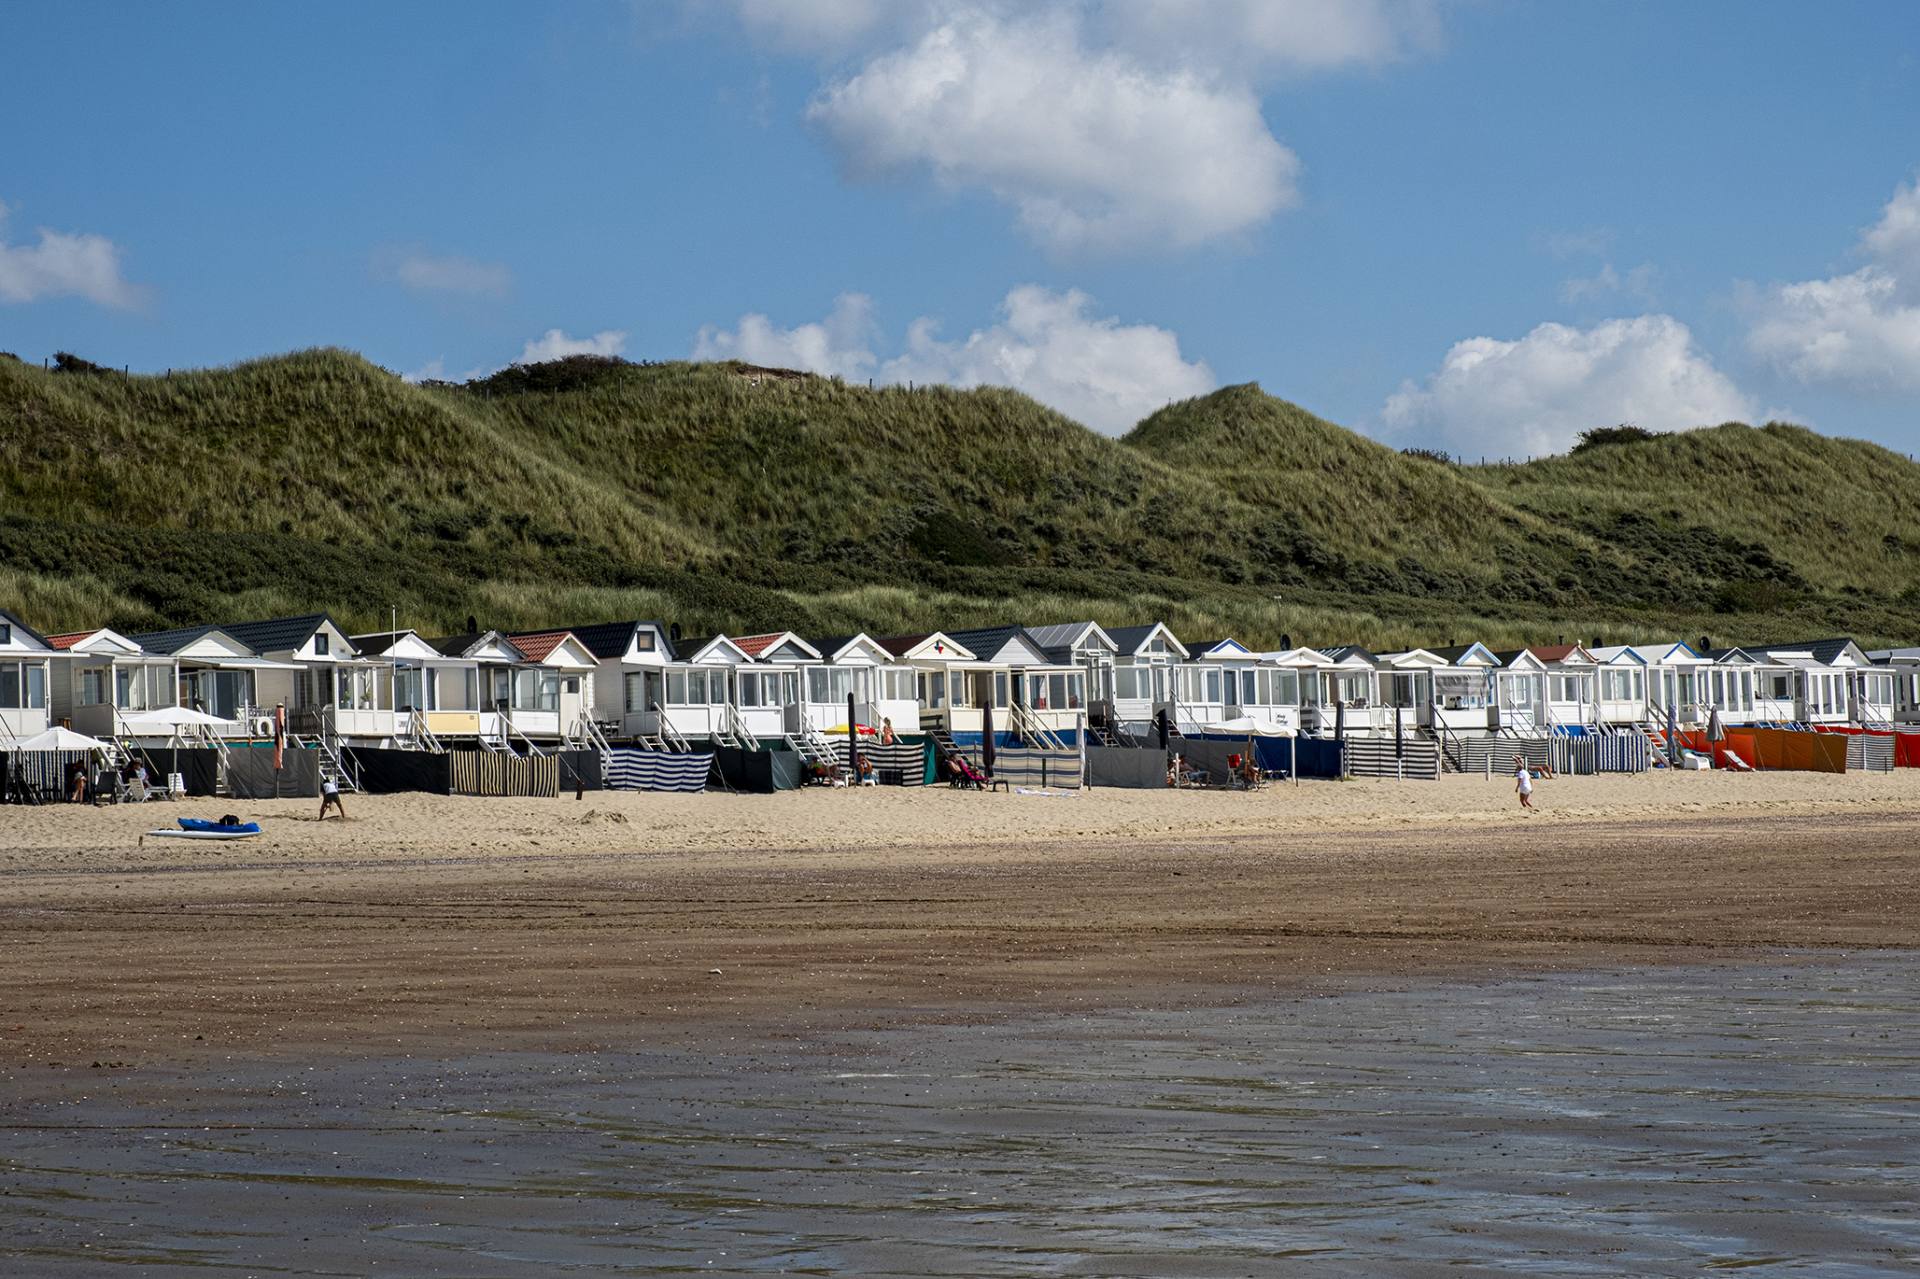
14, 621
692, 646
1453, 652
174, 640
461, 645
1824, 651
612, 639
990, 639
1341, 652
277, 634
831, 644
1128, 639
378, 643
899, 644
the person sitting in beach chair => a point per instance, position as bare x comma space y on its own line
965, 775
863, 770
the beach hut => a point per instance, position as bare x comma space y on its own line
1620, 679
1253, 689
1835, 684
25, 673
1903, 665
1677, 684
1009, 670
440, 686
884, 688
550, 697
631, 691
1350, 691
1089, 646
224, 677
1458, 683
105, 685
712, 694
944, 674
1748, 689
1570, 686
333, 694
1520, 703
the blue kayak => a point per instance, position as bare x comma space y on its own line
201, 826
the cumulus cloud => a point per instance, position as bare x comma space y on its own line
1860, 329
811, 26
554, 344
839, 346
1533, 396
62, 264
428, 273
1045, 343
1092, 149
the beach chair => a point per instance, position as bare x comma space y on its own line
176, 786
966, 776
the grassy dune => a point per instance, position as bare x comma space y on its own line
727, 498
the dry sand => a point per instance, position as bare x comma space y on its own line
424, 922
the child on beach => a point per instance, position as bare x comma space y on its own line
330, 798
1523, 782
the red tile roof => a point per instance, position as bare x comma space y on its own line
67, 641
1553, 652
754, 645
539, 646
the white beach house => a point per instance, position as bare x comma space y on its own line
1458, 681
1620, 675
1903, 665
25, 673
1348, 694
885, 690
221, 676
105, 685
549, 699
1033, 697
1265, 693
1835, 683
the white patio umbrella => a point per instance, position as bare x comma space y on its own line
181, 717
60, 739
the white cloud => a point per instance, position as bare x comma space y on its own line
1092, 149
839, 346
63, 265
426, 273
1637, 282
1287, 35
555, 344
1535, 395
1861, 329
1096, 370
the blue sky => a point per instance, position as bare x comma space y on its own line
1480, 226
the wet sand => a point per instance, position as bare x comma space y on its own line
312, 987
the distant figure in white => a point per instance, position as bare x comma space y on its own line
330, 798
1523, 782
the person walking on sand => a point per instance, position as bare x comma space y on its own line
1523, 782
330, 798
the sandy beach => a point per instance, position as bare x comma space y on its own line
426, 920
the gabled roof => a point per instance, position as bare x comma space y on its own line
1827, 652
21, 628
1060, 639
1515, 656
835, 647
181, 636
1341, 652
1219, 648
1614, 654
470, 644
1297, 657
756, 645
378, 642
695, 650
1677, 650
989, 641
279, 634
935, 644
87, 641
540, 645
1457, 654
613, 639
1131, 639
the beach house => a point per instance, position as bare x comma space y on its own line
440, 686
105, 685
1520, 704
549, 695
1620, 680
1265, 693
885, 689
1006, 669
1835, 683
1903, 664
1570, 685
1347, 694
25, 673
1457, 683
223, 677
1747, 689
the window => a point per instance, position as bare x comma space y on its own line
1130, 683
635, 691
573, 685
93, 685
933, 690
320, 644
643, 641
6, 632
676, 688
1000, 690
406, 689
